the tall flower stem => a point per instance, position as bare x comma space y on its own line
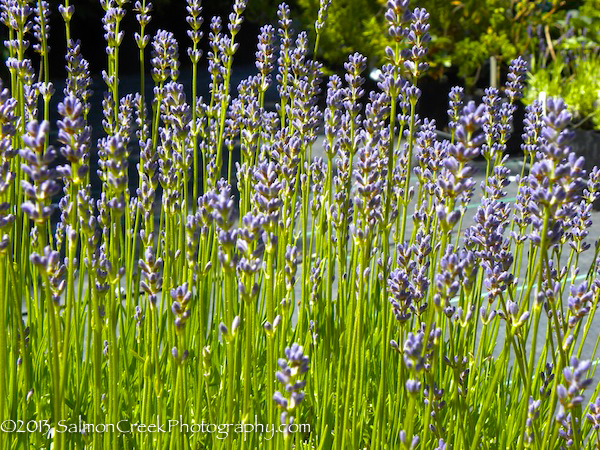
113, 310
67, 23
269, 289
537, 314
411, 141
55, 354
4, 393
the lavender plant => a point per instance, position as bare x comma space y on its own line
409, 314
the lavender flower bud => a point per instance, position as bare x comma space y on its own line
290, 375
165, 56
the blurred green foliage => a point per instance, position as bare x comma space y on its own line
465, 33
569, 66
579, 86
346, 27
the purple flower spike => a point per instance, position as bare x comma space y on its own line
290, 374
165, 56
36, 162
180, 306
413, 351
515, 84
266, 198
594, 414
194, 20
265, 54
570, 395
396, 15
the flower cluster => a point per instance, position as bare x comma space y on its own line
75, 137
181, 298
36, 165
292, 369
570, 395
165, 54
